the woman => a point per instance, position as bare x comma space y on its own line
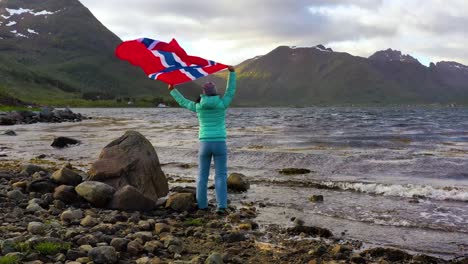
211, 112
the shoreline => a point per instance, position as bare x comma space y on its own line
196, 234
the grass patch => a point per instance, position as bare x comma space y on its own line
17, 108
193, 222
9, 260
50, 248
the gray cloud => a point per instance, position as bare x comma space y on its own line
231, 31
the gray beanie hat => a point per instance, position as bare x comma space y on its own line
209, 89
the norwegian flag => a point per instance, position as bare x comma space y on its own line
166, 62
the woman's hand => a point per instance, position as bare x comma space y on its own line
231, 69
170, 87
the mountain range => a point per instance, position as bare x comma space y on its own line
56, 50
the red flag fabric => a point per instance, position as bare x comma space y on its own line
167, 62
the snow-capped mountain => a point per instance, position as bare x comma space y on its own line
392, 55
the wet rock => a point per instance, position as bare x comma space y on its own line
66, 194
7, 120
42, 186
67, 177
214, 258
36, 228
293, 171
34, 207
30, 169
161, 228
181, 202
129, 198
359, 260
389, 254
131, 160
234, 237
70, 215
9, 133
62, 142
97, 193
134, 247
341, 251
120, 244
316, 198
103, 255
89, 221
151, 246
238, 182
16, 195
310, 230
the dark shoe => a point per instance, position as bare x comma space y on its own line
221, 211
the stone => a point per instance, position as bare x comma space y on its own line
131, 160
120, 244
16, 195
134, 247
36, 228
97, 193
103, 255
66, 194
130, 198
62, 142
316, 198
89, 221
67, 176
181, 202
310, 230
34, 207
30, 169
238, 182
70, 215
390, 254
20, 185
234, 237
42, 186
161, 228
214, 258
151, 246
9, 133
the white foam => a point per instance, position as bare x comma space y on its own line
32, 31
18, 11
11, 23
409, 190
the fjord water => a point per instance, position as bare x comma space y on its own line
389, 176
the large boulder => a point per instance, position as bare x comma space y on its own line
129, 198
62, 142
238, 182
131, 160
97, 193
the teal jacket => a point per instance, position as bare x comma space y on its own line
211, 111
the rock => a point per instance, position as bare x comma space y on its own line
234, 237
134, 247
16, 195
131, 160
310, 230
21, 185
292, 171
9, 133
120, 244
103, 255
389, 254
214, 258
181, 202
341, 251
129, 198
316, 198
97, 193
30, 169
62, 142
67, 177
41, 186
151, 246
238, 182
36, 228
70, 215
34, 207
66, 194
360, 260
89, 221
46, 113
7, 121
161, 228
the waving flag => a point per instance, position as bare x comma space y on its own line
166, 62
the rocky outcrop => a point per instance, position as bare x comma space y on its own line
47, 114
131, 160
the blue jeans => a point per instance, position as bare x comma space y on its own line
217, 150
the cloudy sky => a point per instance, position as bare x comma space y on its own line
231, 31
